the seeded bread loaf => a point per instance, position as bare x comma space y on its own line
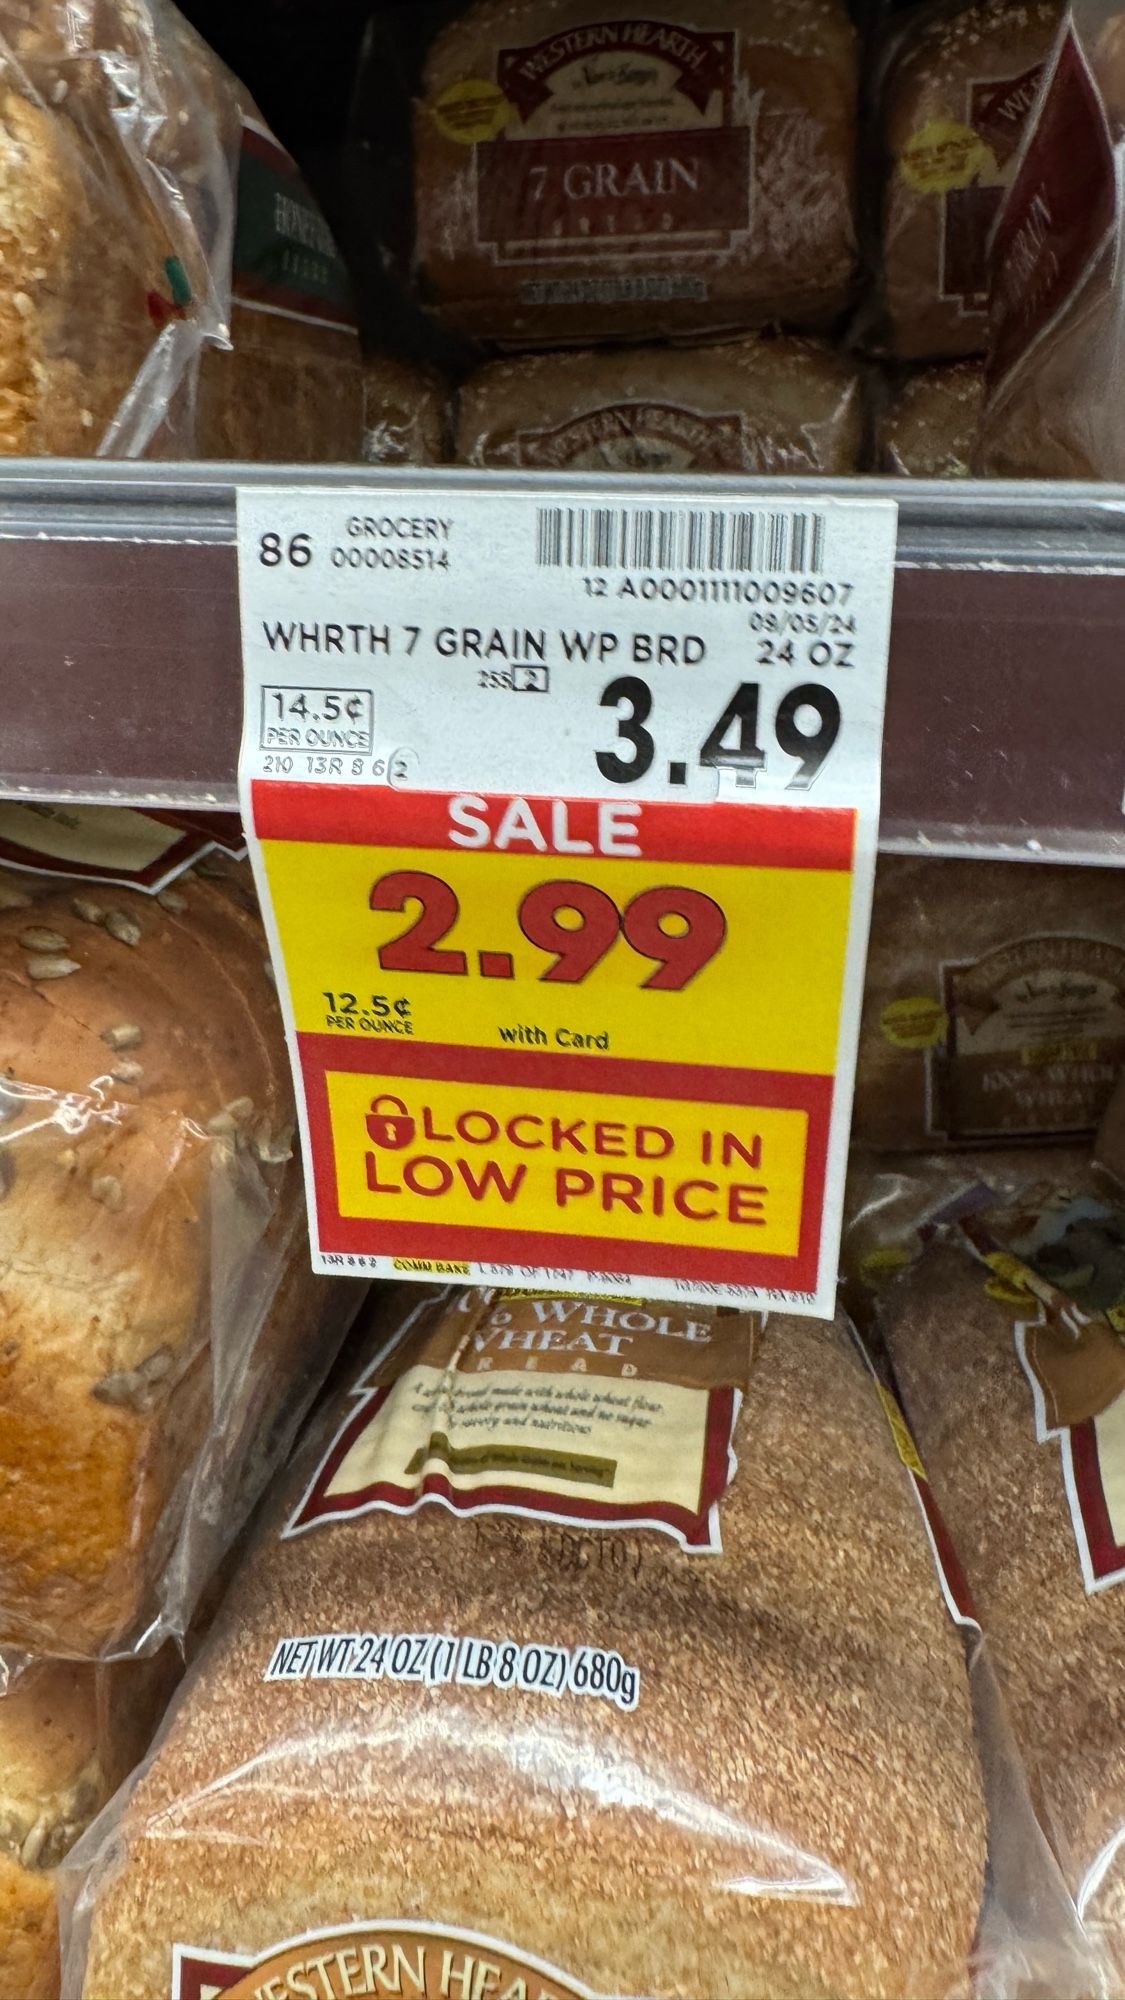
69, 1734
756, 1776
928, 429
158, 1318
147, 215
993, 1008
405, 413
956, 96
754, 406
582, 174
1020, 1494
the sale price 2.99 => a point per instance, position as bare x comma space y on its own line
679, 931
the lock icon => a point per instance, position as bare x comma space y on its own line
393, 1129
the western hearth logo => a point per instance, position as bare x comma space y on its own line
703, 62
373, 1962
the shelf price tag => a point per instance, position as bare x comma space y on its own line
564, 806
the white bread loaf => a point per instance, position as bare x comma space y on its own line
154, 1254
582, 175
753, 406
785, 1798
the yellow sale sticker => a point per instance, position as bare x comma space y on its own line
508, 1060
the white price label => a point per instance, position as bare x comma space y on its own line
569, 795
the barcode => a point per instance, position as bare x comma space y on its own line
681, 538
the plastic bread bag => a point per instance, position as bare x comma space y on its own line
168, 286
69, 1734
405, 413
1006, 1340
1057, 347
576, 173
993, 1007
1109, 1151
957, 85
894, 1206
755, 406
161, 1332
927, 422
612, 1636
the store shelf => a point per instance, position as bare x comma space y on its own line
1006, 709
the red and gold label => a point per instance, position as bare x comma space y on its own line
1059, 215
612, 134
563, 1409
1034, 1038
377, 1961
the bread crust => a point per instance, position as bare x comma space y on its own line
807, 1684
745, 218
144, 1180
752, 406
929, 428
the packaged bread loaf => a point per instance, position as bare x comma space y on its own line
615, 1685
168, 285
1057, 327
929, 422
1007, 1345
581, 174
959, 84
754, 406
405, 413
69, 1734
994, 1006
160, 1329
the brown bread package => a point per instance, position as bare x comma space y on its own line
659, 1700
582, 175
160, 1330
993, 1008
168, 286
405, 413
927, 427
754, 406
1057, 350
1008, 1350
959, 84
